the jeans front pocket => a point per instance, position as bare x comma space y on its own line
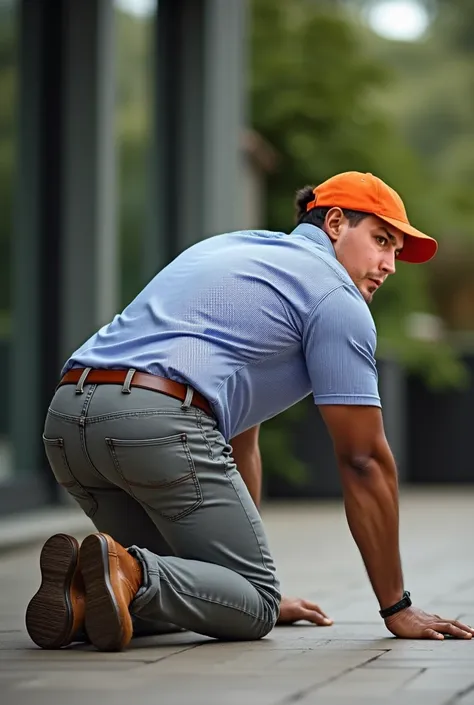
159, 472
54, 449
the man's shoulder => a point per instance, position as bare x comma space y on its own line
234, 238
305, 268
344, 303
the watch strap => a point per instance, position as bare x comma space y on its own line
401, 605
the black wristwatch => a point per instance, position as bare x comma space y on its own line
404, 602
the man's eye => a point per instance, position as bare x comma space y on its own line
381, 240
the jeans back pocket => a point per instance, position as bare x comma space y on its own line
159, 473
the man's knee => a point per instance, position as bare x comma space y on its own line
257, 628
272, 611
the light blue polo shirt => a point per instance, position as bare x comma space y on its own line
255, 321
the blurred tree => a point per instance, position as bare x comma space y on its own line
456, 16
133, 131
309, 88
315, 95
432, 104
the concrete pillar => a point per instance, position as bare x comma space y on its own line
225, 116
89, 264
199, 116
37, 230
64, 247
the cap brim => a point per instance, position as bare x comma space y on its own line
417, 247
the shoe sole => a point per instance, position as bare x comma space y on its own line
104, 617
49, 615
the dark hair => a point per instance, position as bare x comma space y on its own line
316, 216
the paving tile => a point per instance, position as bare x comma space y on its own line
201, 690
468, 616
423, 663
360, 683
430, 649
397, 698
450, 680
466, 698
38, 658
320, 663
23, 668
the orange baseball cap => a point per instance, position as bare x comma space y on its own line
367, 193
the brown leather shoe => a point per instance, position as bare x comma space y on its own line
112, 578
55, 615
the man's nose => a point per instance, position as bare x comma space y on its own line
388, 264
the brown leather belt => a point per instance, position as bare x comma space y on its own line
139, 379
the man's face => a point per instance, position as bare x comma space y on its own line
367, 251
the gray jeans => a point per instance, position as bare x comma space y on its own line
159, 477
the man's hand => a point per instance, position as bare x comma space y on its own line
413, 623
292, 609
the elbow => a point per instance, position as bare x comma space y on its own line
360, 467
365, 460
368, 469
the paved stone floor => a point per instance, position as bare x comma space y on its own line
355, 661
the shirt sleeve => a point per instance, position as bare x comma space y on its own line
339, 343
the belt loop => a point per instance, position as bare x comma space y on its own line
189, 397
128, 380
81, 380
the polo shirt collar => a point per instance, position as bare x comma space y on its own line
312, 232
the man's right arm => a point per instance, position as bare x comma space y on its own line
370, 488
369, 482
339, 345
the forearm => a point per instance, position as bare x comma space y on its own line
371, 504
249, 464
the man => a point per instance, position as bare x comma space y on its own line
154, 429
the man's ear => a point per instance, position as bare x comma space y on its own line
333, 223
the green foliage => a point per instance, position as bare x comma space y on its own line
329, 102
133, 140
276, 445
454, 22
309, 98
435, 363
432, 104
320, 100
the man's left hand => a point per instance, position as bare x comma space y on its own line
293, 609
